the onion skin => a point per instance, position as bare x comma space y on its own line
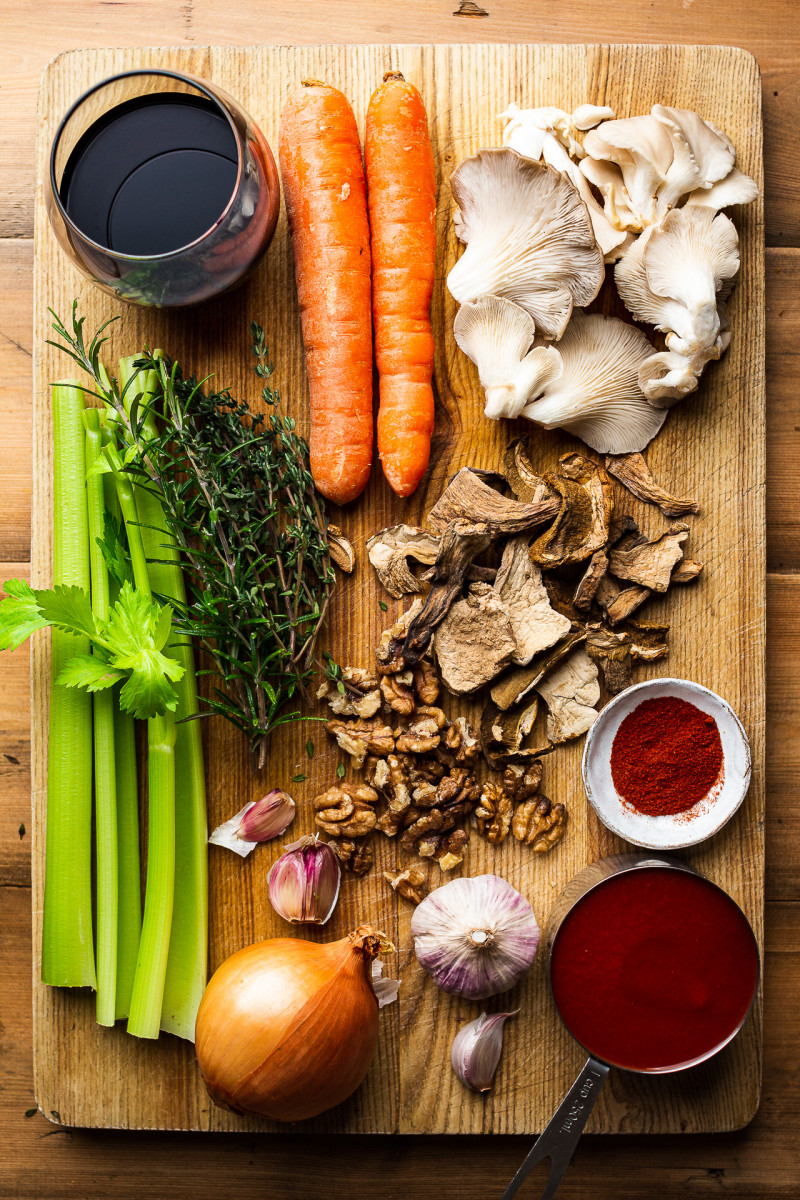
288, 1028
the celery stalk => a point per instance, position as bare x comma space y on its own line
129, 912
67, 942
104, 703
151, 965
147, 993
129, 908
186, 966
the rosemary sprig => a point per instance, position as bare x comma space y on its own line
238, 497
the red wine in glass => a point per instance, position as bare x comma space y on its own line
162, 189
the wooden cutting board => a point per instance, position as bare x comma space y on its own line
712, 447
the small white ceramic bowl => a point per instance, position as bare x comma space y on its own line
681, 829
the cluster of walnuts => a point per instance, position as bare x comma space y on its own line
419, 779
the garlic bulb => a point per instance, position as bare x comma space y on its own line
476, 1050
259, 821
304, 882
476, 937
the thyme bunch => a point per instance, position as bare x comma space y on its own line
240, 503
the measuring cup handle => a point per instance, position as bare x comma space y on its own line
559, 1139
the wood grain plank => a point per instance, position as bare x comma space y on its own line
16, 345
31, 37
725, 468
783, 418
46, 1162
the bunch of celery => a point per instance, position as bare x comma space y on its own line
110, 555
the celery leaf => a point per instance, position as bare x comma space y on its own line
90, 672
19, 614
68, 608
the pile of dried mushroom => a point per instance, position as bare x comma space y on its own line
527, 595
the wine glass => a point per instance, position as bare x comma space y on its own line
161, 188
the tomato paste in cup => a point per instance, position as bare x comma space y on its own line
653, 969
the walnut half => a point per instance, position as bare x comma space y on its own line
494, 812
539, 824
346, 812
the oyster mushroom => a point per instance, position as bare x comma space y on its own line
672, 280
389, 552
528, 238
597, 396
647, 165
646, 563
535, 625
497, 335
551, 135
570, 692
474, 641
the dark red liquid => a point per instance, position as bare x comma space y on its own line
654, 968
151, 176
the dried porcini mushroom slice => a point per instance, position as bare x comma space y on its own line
468, 498
359, 695
534, 624
475, 641
389, 552
618, 603
647, 563
582, 525
341, 550
633, 473
611, 649
508, 728
523, 480
648, 641
391, 640
460, 543
411, 884
571, 691
516, 684
686, 570
539, 824
590, 581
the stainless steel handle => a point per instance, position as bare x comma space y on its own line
559, 1139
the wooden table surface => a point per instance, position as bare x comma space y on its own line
40, 1161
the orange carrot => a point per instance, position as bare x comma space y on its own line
323, 183
401, 183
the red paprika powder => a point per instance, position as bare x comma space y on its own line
666, 755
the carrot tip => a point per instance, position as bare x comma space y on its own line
313, 83
394, 75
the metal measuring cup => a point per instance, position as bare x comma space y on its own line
560, 1137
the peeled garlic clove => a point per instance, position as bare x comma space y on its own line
477, 1048
304, 882
477, 937
259, 821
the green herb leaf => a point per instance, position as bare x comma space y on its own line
340, 771
68, 608
384, 606
19, 614
310, 748
298, 778
31, 1112
113, 547
90, 672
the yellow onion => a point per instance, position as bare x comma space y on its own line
287, 1028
